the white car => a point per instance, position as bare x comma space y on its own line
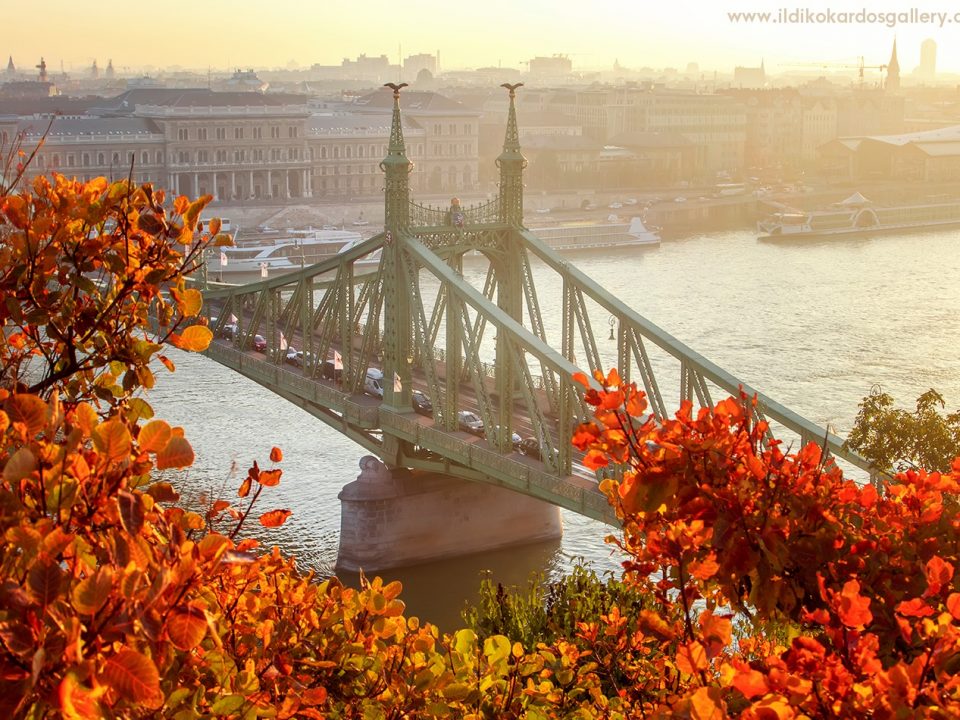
615, 205
470, 422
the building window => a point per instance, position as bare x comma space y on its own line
221, 133
183, 134
70, 160
116, 159
437, 129
275, 132
201, 133
453, 129
159, 157
238, 155
258, 133
221, 156
56, 160
293, 131
202, 156
184, 157
144, 158
85, 159
336, 152
360, 151
323, 152
348, 152
238, 133
101, 161
467, 129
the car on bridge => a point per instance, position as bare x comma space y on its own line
470, 422
515, 439
532, 448
421, 403
373, 383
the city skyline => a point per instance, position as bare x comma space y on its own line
211, 36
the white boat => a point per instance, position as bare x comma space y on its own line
272, 254
859, 217
571, 238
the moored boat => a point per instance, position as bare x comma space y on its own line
570, 238
271, 254
859, 217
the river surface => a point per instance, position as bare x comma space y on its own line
813, 324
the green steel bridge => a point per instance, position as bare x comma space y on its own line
399, 302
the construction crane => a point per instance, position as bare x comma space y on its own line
860, 67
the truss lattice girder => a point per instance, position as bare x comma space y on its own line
695, 369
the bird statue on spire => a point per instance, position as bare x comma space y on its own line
395, 88
512, 88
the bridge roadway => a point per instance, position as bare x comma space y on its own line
363, 418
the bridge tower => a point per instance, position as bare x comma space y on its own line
397, 350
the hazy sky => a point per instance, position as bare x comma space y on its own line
235, 33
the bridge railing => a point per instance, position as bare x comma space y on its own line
578, 494
480, 214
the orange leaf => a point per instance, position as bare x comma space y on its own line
19, 466
167, 362
953, 605
112, 439
579, 377
314, 696
854, 610
245, 487
270, 478
29, 410
276, 454
275, 518
707, 704
186, 627
76, 701
692, 658
134, 677
595, 460
751, 683
154, 436
195, 338
177, 454
90, 594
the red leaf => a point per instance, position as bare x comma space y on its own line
134, 677
275, 518
276, 454
914, 608
186, 627
594, 460
43, 582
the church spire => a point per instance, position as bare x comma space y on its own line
11, 68
893, 70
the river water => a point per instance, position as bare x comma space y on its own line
812, 324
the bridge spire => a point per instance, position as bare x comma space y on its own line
511, 163
397, 166
397, 352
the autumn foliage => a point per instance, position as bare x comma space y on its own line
758, 583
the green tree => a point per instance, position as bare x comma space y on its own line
895, 439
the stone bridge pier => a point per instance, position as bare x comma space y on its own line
394, 518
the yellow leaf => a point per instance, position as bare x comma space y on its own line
192, 302
29, 410
195, 338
